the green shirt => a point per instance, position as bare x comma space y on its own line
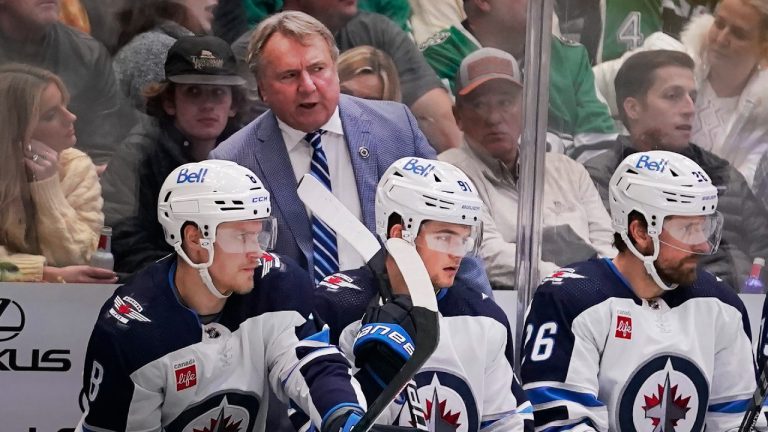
573, 104
398, 11
627, 24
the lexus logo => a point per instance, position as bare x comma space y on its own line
11, 319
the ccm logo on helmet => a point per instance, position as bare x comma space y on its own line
191, 177
259, 199
422, 170
646, 162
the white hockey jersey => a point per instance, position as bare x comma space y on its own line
152, 365
597, 357
468, 383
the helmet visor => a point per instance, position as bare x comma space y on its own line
258, 237
694, 234
455, 243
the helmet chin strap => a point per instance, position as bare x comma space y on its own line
202, 268
648, 260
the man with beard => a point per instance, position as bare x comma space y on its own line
655, 95
648, 339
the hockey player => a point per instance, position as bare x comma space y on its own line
194, 340
647, 341
468, 383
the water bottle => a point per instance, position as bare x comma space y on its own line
103, 257
753, 284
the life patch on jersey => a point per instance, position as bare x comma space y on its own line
338, 280
186, 374
435, 39
667, 393
268, 262
562, 274
125, 309
623, 326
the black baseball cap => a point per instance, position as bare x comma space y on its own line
202, 60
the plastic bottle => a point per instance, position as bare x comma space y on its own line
103, 257
753, 284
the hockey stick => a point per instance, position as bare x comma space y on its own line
327, 208
756, 402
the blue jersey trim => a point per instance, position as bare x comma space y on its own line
441, 293
526, 410
323, 335
542, 395
485, 424
733, 407
564, 427
627, 285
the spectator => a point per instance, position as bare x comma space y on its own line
647, 340
421, 89
353, 141
730, 50
575, 113
761, 180
194, 108
430, 16
150, 27
732, 102
49, 194
489, 111
475, 346
368, 73
196, 341
655, 91
609, 28
31, 33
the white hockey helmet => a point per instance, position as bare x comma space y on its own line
207, 194
658, 184
420, 190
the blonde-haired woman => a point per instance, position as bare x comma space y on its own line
49, 192
731, 51
369, 73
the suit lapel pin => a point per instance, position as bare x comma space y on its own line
364, 153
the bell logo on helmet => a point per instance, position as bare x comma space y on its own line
194, 177
646, 162
422, 170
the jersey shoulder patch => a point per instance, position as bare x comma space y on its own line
435, 39
561, 275
337, 281
268, 262
125, 309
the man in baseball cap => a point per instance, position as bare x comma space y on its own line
194, 108
489, 110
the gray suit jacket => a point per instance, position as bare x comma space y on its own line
387, 130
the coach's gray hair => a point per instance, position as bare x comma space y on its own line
293, 24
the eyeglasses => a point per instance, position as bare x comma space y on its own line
487, 105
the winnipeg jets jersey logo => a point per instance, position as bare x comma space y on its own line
448, 403
669, 393
125, 309
560, 275
338, 280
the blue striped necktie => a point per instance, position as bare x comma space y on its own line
324, 246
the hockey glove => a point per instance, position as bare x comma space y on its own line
384, 343
342, 421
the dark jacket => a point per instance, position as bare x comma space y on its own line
745, 229
131, 186
86, 69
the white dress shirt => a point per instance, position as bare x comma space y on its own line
343, 182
